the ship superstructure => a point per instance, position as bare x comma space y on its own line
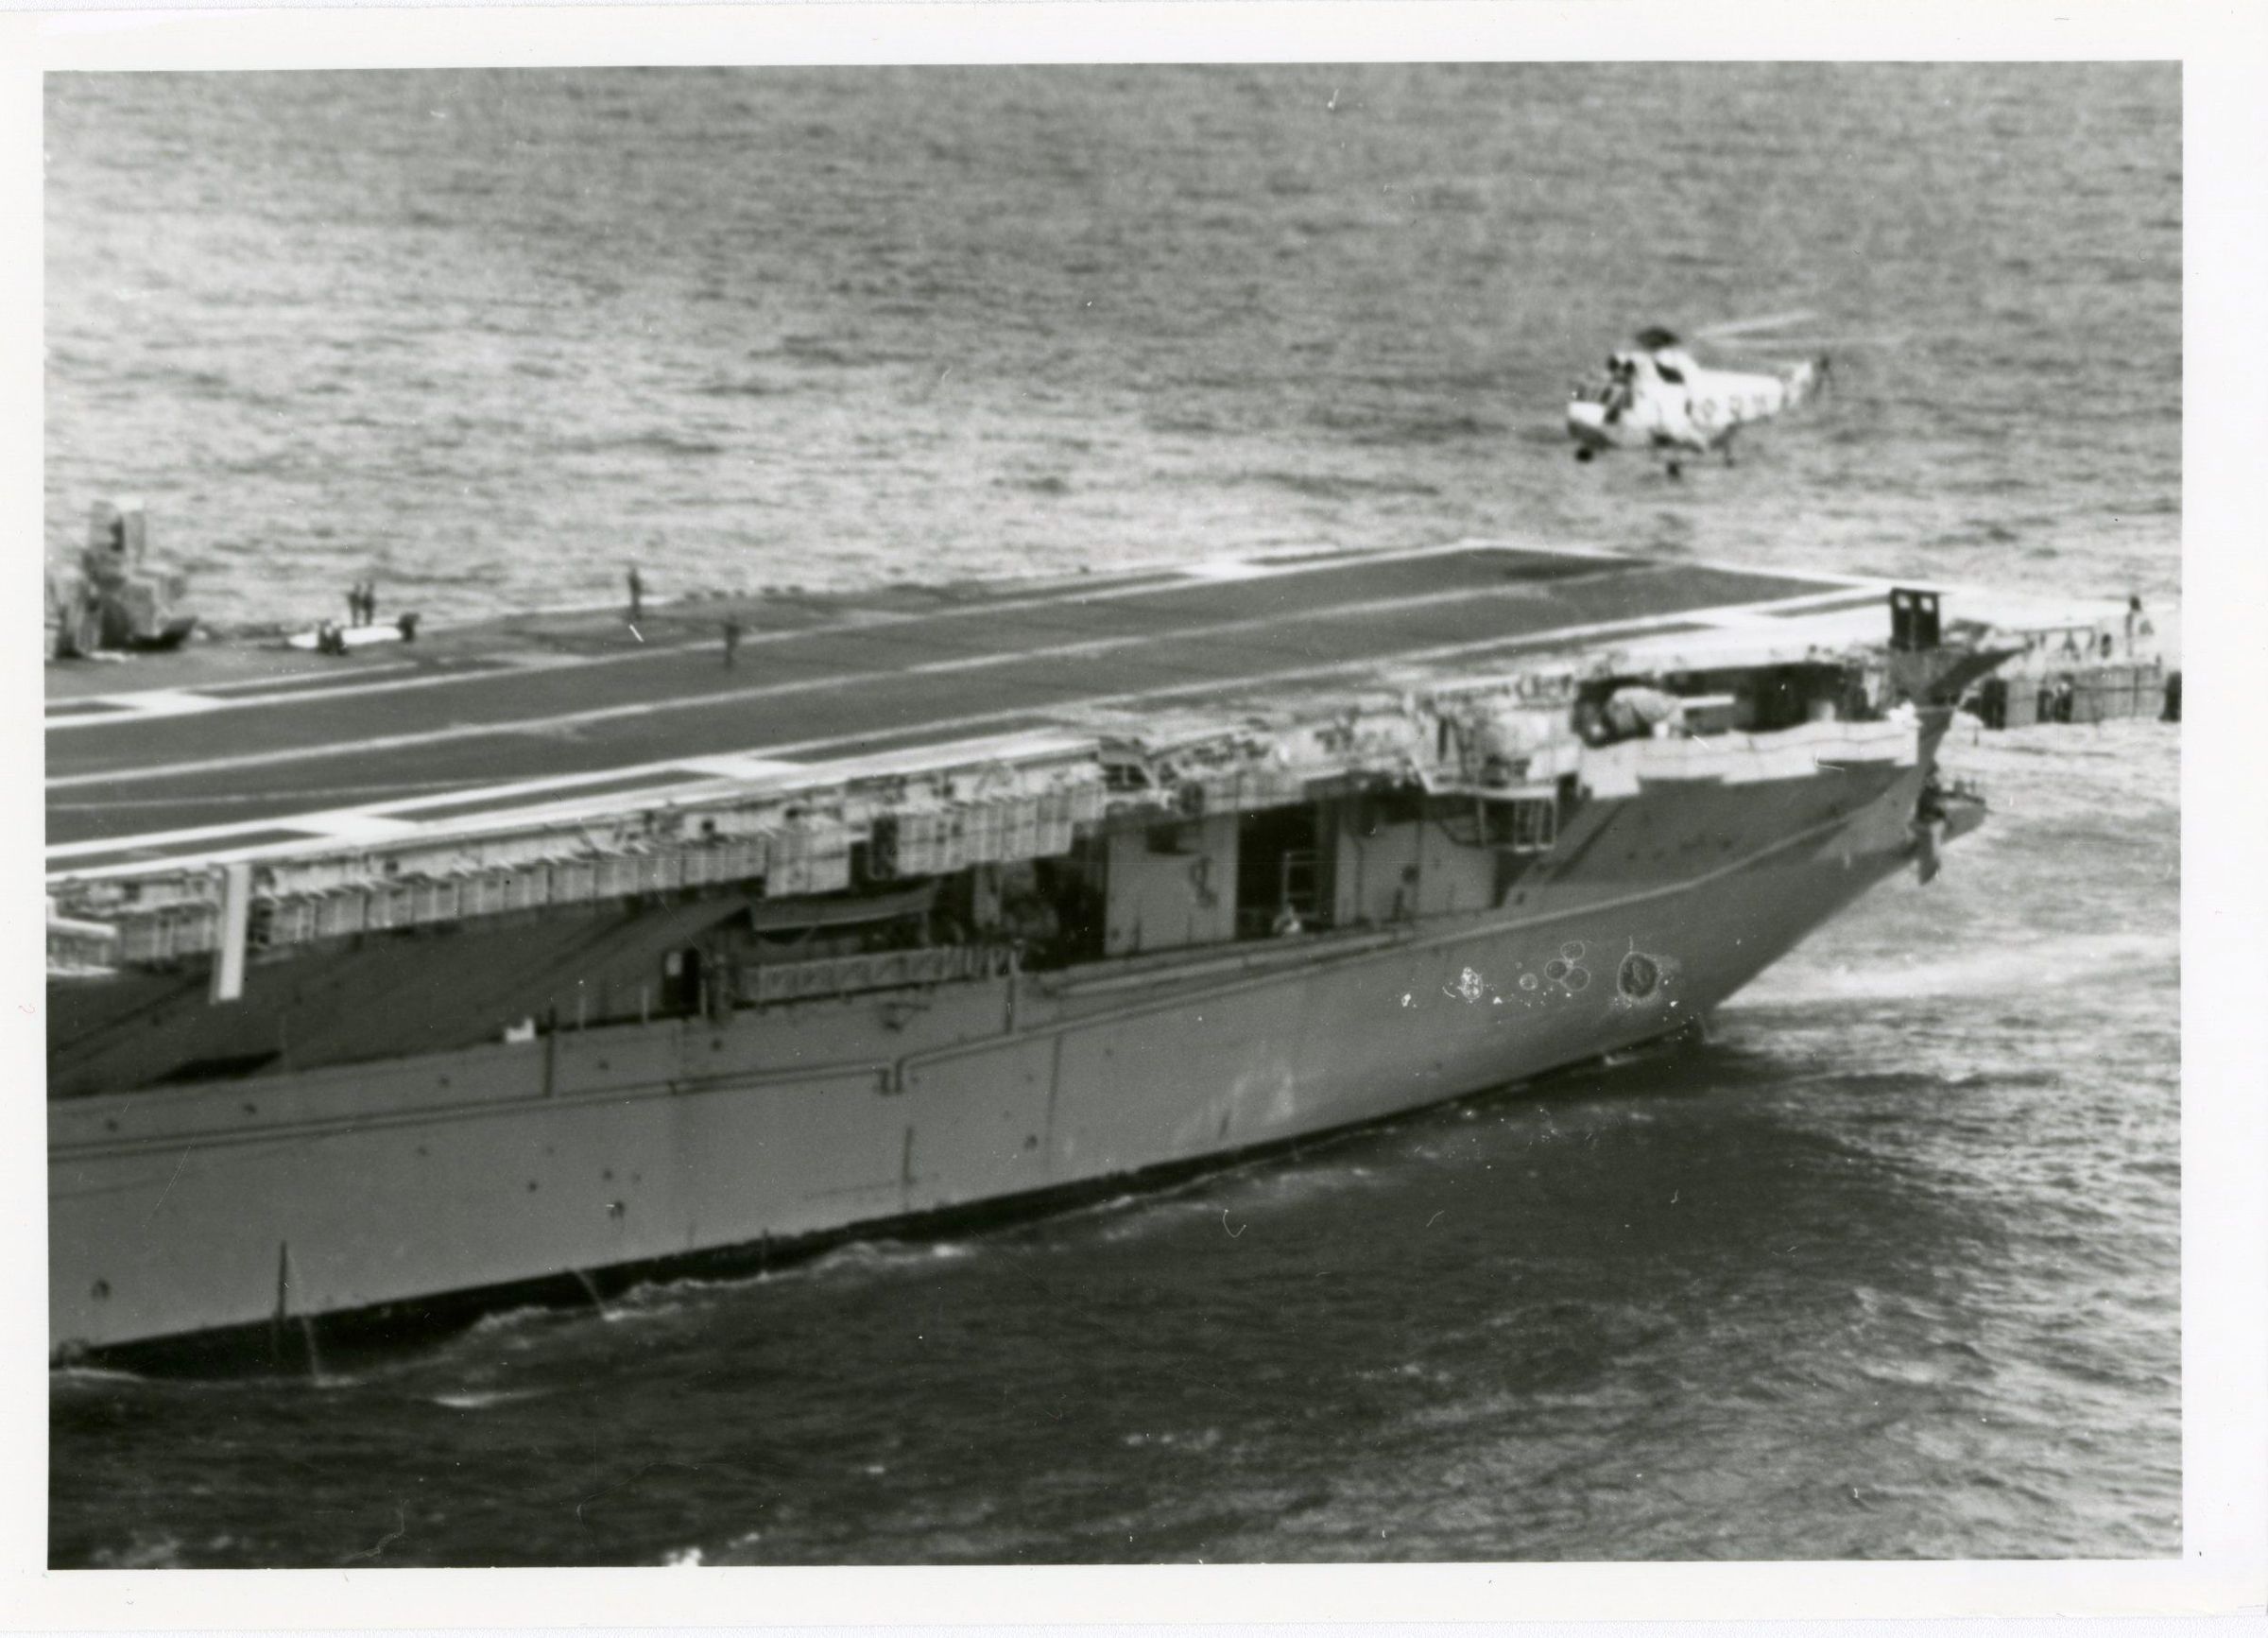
558, 949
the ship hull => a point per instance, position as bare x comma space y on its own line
280, 1206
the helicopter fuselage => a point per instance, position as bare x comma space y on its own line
1661, 399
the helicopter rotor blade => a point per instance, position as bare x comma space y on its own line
1750, 326
1800, 344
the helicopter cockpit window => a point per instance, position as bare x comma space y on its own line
1670, 373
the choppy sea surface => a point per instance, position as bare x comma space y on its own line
1890, 1269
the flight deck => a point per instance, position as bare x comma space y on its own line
225, 747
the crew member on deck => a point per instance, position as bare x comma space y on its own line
1928, 826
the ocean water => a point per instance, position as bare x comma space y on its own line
1890, 1269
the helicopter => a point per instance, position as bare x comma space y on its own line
1655, 395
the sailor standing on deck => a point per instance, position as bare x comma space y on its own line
2137, 623
637, 594
1928, 826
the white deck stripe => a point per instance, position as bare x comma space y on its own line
139, 707
1189, 576
738, 767
348, 825
135, 705
1227, 569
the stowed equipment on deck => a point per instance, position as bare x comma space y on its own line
118, 597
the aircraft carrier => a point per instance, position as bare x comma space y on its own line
557, 951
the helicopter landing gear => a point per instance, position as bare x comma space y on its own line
1585, 455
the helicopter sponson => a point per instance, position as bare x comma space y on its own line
1657, 396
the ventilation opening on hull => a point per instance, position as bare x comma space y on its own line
223, 1068
681, 985
1279, 872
